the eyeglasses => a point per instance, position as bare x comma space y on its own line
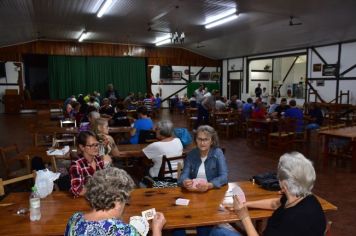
203, 140
94, 145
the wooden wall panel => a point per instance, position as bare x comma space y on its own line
155, 56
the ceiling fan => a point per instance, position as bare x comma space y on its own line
292, 21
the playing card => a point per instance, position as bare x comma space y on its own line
149, 214
182, 202
140, 224
239, 193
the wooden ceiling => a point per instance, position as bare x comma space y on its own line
262, 26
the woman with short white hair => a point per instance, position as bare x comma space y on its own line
297, 212
168, 145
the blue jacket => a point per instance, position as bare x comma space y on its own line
215, 167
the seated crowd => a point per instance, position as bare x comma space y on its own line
108, 188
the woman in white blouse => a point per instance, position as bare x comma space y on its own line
167, 145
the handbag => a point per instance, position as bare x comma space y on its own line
268, 181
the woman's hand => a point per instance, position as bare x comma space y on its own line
157, 223
240, 208
203, 187
188, 184
107, 160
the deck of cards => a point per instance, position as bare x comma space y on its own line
182, 202
149, 214
199, 181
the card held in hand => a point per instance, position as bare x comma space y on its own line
239, 193
149, 214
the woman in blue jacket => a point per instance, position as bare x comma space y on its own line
204, 167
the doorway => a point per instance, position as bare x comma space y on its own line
235, 84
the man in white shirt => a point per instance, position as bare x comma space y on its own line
168, 145
199, 93
265, 96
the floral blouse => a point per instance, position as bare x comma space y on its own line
78, 226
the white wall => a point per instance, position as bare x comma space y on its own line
330, 55
231, 65
11, 78
260, 65
175, 85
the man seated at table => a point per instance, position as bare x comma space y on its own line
89, 161
259, 112
247, 109
120, 118
167, 145
106, 110
87, 123
220, 104
272, 105
128, 101
281, 108
315, 116
296, 113
142, 123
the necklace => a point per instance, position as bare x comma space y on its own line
293, 203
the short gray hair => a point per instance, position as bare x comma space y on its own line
209, 131
297, 172
165, 128
108, 186
94, 115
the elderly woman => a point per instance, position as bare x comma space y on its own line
88, 162
108, 146
297, 212
108, 191
167, 145
207, 161
204, 168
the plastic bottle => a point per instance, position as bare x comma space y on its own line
35, 205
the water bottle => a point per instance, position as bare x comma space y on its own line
35, 205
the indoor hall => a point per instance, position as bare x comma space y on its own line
294, 60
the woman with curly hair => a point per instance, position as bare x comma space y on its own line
108, 191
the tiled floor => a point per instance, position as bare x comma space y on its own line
335, 183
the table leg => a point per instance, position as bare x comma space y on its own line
353, 159
54, 163
326, 150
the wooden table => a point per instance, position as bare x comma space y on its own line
75, 130
135, 150
264, 127
348, 133
59, 206
41, 151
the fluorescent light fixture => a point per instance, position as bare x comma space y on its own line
220, 16
166, 41
104, 7
159, 39
220, 22
83, 36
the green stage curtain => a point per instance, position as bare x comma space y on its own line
73, 75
